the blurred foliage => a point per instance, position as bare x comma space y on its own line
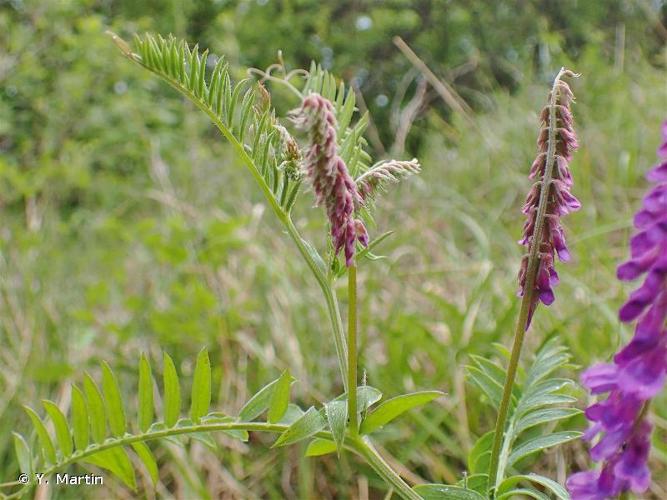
128, 226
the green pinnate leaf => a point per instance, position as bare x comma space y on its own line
63, 436
114, 401
541, 400
393, 408
201, 387
146, 412
318, 447
23, 454
490, 387
292, 414
367, 396
258, 403
480, 453
193, 82
146, 456
445, 491
540, 443
48, 451
559, 491
344, 115
79, 416
547, 360
279, 398
478, 482
543, 416
336, 413
95, 404
117, 462
544, 388
524, 492
308, 425
172, 392
496, 373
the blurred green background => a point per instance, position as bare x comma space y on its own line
128, 226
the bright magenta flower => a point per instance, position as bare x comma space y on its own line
639, 370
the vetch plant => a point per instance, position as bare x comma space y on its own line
319, 147
639, 369
332, 159
547, 201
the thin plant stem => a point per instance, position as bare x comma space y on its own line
330, 298
495, 471
281, 81
338, 331
364, 447
352, 349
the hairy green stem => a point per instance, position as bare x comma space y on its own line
495, 472
329, 292
128, 440
364, 447
352, 349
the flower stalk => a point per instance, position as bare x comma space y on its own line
352, 349
549, 198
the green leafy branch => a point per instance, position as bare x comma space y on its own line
244, 115
251, 128
538, 401
99, 431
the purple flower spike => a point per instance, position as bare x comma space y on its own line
328, 174
559, 200
639, 370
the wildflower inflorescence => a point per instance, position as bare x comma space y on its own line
328, 174
638, 371
556, 142
382, 173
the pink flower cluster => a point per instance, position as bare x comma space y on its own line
328, 174
559, 202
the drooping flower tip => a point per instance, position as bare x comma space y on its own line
556, 141
328, 175
385, 172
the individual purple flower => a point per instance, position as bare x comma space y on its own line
328, 174
625, 470
639, 370
552, 161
